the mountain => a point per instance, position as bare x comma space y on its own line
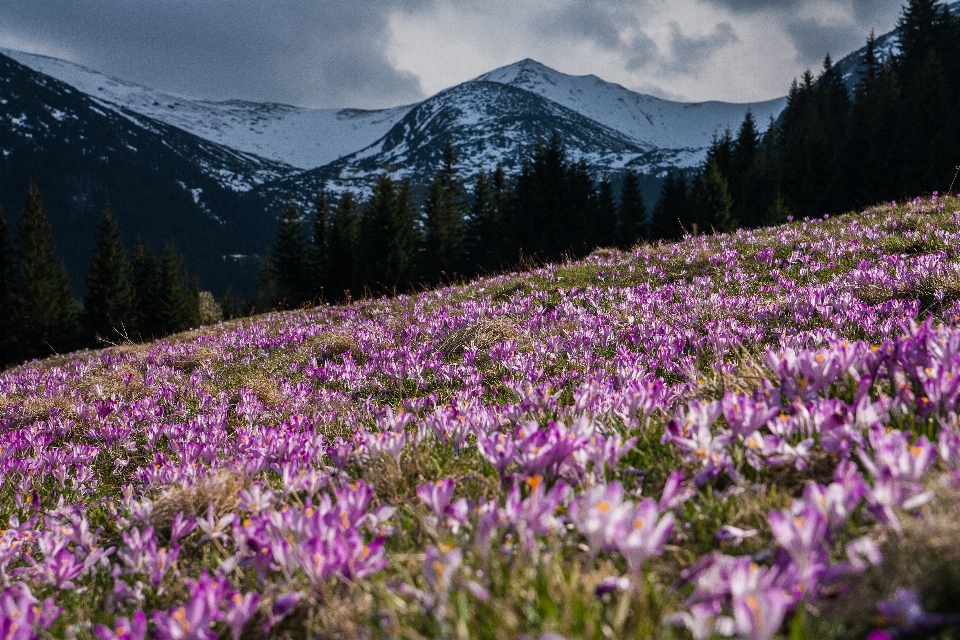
163, 183
670, 133
500, 116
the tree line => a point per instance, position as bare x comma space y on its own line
347, 248
138, 299
895, 134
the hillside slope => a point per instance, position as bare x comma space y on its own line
752, 435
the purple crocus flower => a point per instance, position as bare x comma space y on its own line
643, 534
134, 628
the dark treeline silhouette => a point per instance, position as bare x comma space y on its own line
140, 299
552, 209
895, 135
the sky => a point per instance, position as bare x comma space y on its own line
382, 53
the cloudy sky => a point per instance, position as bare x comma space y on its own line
379, 53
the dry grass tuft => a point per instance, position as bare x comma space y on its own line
711, 384
33, 409
222, 490
265, 388
933, 292
201, 355
337, 343
480, 335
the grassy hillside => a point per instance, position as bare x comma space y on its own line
751, 434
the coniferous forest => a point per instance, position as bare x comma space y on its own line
894, 133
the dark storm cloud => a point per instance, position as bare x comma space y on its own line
596, 22
690, 52
750, 6
814, 40
307, 52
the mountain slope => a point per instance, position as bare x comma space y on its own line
303, 138
163, 183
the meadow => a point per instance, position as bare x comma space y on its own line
751, 434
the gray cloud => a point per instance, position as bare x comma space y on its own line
308, 52
751, 6
814, 40
688, 53
594, 22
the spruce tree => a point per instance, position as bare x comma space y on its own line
342, 248
108, 300
443, 221
175, 308
145, 289
144, 282
6, 298
318, 254
581, 228
44, 310
605, 216
744, 188
712, 202
389, 236
408, 232
483, 227
927, 127
873, 163
290, 259
671, 215
633, 211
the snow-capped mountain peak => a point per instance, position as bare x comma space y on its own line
650, 121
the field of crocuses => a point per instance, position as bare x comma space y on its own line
748, 435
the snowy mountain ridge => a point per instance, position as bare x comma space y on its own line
299, 137
312, 138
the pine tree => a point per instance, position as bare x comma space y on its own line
44, 310
290, 259
671, 215
408, 232
581, 227
342, 248
175, 308
483, 227
229, 305
744, 188
145, 288
6, 298
778, 211
633, 211
720, 152
712, 202
107, 303
443, 221
318, 253
873, 162
389, 236
605, 217
266, 296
